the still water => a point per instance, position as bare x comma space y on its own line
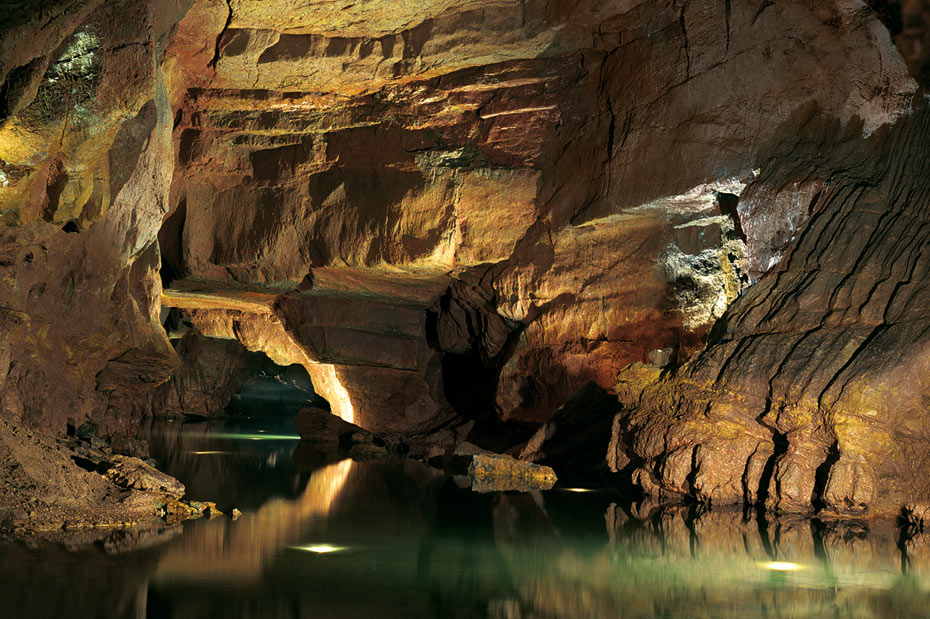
326, 537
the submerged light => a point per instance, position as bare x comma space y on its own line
578, 490
782, 566
319, 548
257, 437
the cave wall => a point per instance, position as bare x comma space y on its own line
813, 394
552, 191
87, 158
213, 371
563, 163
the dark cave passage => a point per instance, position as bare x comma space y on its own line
221, 377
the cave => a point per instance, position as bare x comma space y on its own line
219, 378
446, 308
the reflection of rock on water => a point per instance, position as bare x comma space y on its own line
237, 550
679, 562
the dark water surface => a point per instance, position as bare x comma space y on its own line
322, 537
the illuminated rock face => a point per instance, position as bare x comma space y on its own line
813, 391
552, 192
87, 161
567, 167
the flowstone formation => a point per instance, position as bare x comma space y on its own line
456, 215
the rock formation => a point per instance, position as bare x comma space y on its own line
214, 376
521, 151
451, 212
811, 391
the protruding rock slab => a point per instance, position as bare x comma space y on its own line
498, 473
129, 472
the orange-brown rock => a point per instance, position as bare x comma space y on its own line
521, 150
86, 160
811, 393
456, 211
497, 473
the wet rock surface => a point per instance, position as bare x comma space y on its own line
78, 489
133, 473
321, 426
500, 473
441, 550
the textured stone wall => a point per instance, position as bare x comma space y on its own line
86, 161
812, 394
564, 164
546, 191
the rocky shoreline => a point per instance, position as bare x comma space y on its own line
78, 489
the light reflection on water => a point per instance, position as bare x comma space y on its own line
328, 537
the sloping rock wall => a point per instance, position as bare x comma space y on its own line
813, 394
86, 160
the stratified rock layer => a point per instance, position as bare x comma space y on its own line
546, 159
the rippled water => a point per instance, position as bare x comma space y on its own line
324, 537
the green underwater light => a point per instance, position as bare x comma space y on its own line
258, 437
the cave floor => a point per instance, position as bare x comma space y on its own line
323, 536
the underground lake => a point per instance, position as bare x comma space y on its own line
395, 538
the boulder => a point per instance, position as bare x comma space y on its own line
500, 473
318, 425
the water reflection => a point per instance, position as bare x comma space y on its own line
396, 539
237, 550
236, 462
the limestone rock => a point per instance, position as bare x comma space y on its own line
468, 150
367, 452
537, 192
808, 397
129, 472
498, 473
317, 425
